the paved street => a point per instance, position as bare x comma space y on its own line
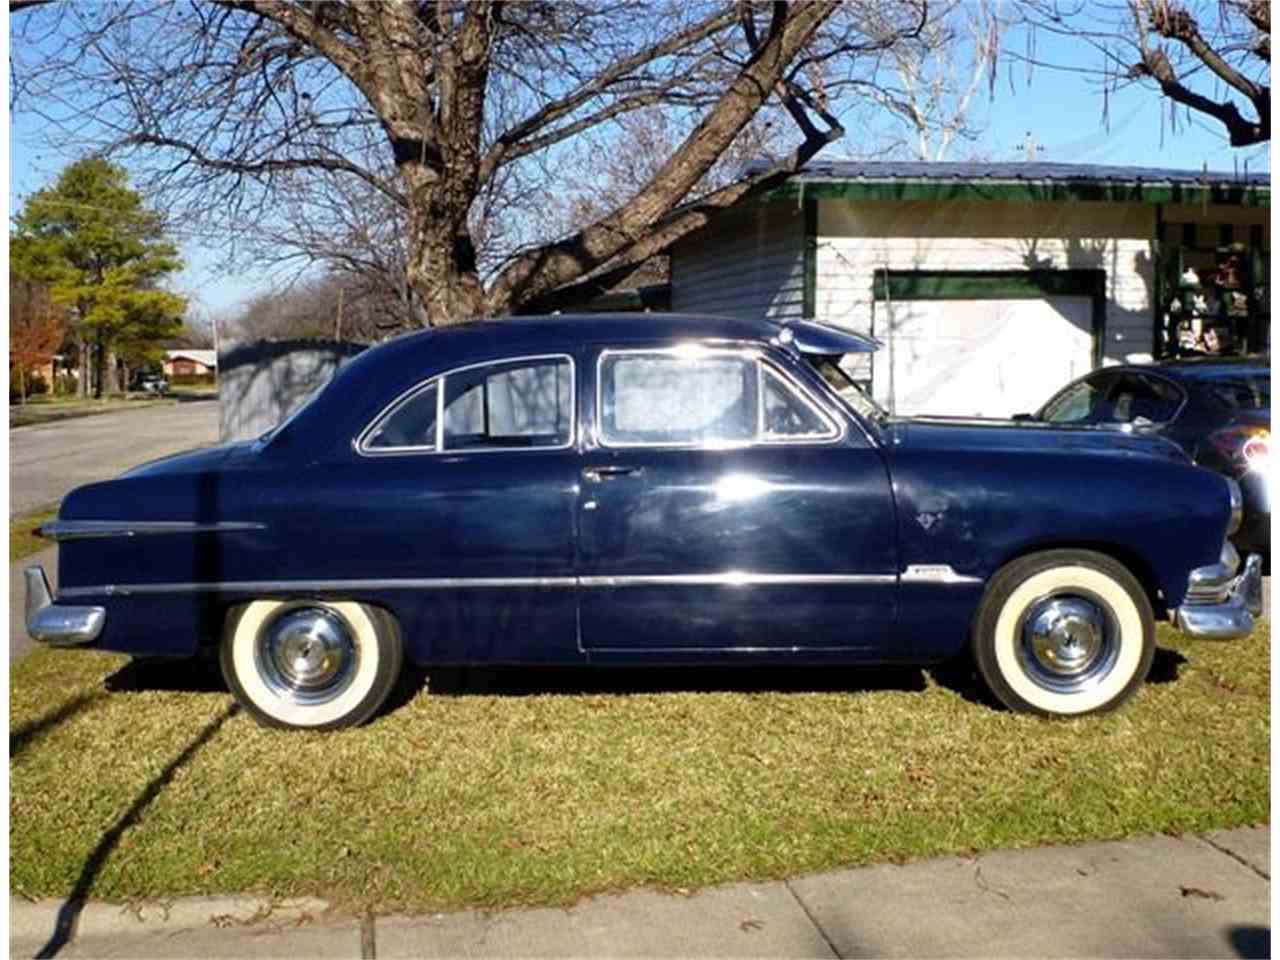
1145, 897
46, 462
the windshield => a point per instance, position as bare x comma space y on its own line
844, 385
1236, 389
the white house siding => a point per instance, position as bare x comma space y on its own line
749, 262
857, 238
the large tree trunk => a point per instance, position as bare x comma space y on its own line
82, 348
442, 260
99, 365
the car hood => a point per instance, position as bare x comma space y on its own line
192, 461
947, 433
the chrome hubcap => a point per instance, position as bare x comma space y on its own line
1068, 642
307, 655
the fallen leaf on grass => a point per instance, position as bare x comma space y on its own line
1202, 894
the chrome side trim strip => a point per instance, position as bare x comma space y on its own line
738, 578
93, 529
937, 573
320, 586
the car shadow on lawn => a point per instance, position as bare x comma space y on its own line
202, 675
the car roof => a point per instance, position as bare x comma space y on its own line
559, 329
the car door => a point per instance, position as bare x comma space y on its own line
456, 508
725, 507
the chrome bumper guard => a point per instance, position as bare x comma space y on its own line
1220, 605
57, 625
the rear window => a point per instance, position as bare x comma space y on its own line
1235, 389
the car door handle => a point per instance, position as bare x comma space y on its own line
609, 471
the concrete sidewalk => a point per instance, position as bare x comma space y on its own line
1147, 897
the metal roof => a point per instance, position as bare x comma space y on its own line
890, 171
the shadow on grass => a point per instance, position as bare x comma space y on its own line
572, 681
69, 912
22, 737
1165, 666
195, 675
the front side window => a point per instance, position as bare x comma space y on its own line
696, 398
410, 425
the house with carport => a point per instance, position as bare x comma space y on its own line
990, 285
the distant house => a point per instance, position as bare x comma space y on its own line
190, 363
992, 284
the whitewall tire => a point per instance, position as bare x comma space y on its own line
1064, 633
311, 664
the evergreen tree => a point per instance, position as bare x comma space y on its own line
103, 255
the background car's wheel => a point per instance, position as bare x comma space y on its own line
1064, 633
311, 664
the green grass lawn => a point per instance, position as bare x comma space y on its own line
537, 788
22, 536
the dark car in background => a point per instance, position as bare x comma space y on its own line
1217, 410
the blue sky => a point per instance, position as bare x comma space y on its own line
1060, 110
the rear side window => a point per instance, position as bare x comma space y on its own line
1236, 389
411, 425
523, 403
699, 398
510, 404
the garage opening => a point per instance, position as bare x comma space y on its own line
983, 344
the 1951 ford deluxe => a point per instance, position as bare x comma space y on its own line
644, 490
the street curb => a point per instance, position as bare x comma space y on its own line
32, 923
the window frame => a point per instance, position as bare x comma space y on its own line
835, 434
438, 381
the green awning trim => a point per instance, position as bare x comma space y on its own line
1216, 194
988, 284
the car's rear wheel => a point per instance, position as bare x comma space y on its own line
311, 664
1064, 633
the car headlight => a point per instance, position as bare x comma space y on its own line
1237, 505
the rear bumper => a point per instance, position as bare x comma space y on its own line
1221, 605
55, 624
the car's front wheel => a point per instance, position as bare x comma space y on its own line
311, 664
1064, 633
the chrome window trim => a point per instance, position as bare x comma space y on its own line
358, 443
751, 352
765, 367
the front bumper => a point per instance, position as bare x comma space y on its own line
1221, 605
54, 624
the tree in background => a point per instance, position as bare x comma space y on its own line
102, 254
37, 328
455, 114
1211, 57
929, 78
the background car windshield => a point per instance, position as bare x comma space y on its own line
1236, 389
1085, 402
669, 398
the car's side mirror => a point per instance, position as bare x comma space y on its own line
1023, 417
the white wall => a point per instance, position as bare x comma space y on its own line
749, 262
856, 239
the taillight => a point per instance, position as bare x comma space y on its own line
1246, 448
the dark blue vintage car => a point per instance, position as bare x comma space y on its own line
644, 490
